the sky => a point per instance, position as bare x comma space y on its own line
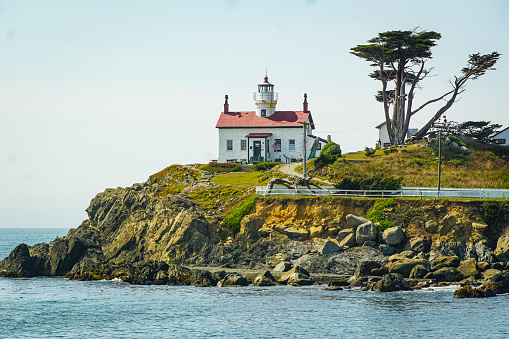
97, 94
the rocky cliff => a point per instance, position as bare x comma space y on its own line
169, 231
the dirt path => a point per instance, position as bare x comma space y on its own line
290, 169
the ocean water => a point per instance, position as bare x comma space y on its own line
58, 308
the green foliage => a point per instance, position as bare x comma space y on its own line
377, 182
218, 167
369, 152
233, 220
453, 138
328, 155
417, 162
495, 212
504, 177
390, 150
380, 215
263, 166
479, 130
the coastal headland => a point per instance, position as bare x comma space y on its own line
158, 232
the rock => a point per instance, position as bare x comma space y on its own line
348, 241
490, 272
387, 249
483, 265
250, 225
440, 262
391, 282
402, 256
502, 250
418, 272
356, 281
330, 247
499, 283
455, 146
264, 232
315, 231
377, 272
420, 244
233, 280
393, 235
464, 150
448, 274
431, 226
365, 232
296, 233
468, 292
468, 268
299, 279
447, 224
264, 279
296, 269
405, 267
339, 281
283, 266
370, 243
344, 233
498, 265
353, 221
18, 264
365, 267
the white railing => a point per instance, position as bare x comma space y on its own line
419, 192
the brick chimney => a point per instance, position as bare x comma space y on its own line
305, 104
226, 105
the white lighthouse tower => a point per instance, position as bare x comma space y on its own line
265, 99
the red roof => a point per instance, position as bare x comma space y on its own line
250, 119
255, 135
500, 132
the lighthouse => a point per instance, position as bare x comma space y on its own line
265, 99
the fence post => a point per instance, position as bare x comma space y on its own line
420, 194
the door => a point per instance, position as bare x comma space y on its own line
257, 148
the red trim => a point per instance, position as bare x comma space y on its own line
254, 135
500, 132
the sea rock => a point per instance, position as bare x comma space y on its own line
18, 264
348, 241
296, 269
283, 266
502, 250
419, 244
391, 282
233, 280
299, 279
330, 247
250, 225
402, 256
499, 283
370, 243
353, 221
344, 233
393, 235
490, 273
365, 267
405, 267
468, 292
440, 262
418, 272
468, 268
365, 232
449, 274
387, 249
264, 279
296, 233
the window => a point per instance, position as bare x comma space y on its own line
277, 142
229, 145
264, 112
291, 145
243, 144
499, 141
319, 146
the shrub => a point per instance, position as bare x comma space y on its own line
377, 182
233, 219
390, 150
453, 138
331, 149
220, 167
369, 152
379, 215
263, 166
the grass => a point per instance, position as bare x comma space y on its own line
237, 178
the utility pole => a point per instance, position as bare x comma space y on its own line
439, 160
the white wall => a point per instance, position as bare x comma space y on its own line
503, 135
285, 134
383, 135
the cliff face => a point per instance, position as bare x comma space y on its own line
141, 236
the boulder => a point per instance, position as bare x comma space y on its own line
250, 225
502, 250
357, 281
468, 292
315, 231
348, 241
405, 267
18, 264
296, 233
402, 256
365, 267
440, 262
418, 272
329, 247
233, 280
431, 226
370, 243
344, 233
353, 221
283, 266
391, 282
296, 269
499, 283
449, 274
419, 244
483, 265
447, 224
365, 232
264, 279
490, 273
299, 279
465, 150
264, 232
469, 268
393, 235
387, 249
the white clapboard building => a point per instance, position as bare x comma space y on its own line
266, 134
501, 138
